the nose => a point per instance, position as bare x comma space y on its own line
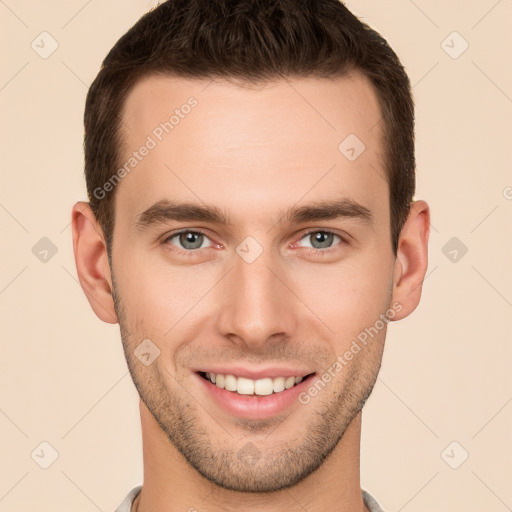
257, 305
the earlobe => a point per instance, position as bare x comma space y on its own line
412, 259
92, 262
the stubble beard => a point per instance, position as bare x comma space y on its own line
275, 466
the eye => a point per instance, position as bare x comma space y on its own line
321, 240
188, 240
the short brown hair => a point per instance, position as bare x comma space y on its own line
251, 41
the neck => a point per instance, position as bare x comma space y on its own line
172, 485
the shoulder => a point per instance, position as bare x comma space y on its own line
126, 505
372, 504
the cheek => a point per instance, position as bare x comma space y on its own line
156, 295
349, 297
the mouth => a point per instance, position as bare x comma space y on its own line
254, 387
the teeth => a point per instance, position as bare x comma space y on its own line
289, 382
261, 387
264, 386
278, 384
245, 386
230, 383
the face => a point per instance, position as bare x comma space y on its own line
277, 264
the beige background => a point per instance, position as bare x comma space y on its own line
446, 370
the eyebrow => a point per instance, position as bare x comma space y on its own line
165, 210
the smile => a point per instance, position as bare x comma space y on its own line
259, 387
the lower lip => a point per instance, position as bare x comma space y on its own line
254, 407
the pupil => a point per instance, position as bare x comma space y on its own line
323, 239
190, 240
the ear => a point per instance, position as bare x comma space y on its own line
412, 259
91, 262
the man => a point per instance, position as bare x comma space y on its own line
251, 227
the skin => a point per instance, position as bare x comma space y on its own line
253, 152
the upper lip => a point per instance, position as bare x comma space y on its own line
255, 374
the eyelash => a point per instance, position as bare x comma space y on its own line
194, 252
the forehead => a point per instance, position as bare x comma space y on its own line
253, 145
